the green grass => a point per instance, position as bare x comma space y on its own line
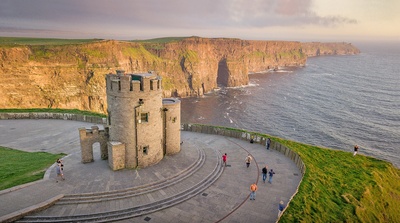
338, 187
22, 41
15, 41
18, 167
161, 40
53, 110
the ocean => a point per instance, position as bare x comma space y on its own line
334, 102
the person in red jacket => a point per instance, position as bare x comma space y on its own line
224, 158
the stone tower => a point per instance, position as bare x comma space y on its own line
171, 125
141, 130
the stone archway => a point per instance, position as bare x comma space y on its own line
97, 153
88, 137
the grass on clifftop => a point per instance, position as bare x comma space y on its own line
19, 167
15, 41
161, 40
338, 187
51, 110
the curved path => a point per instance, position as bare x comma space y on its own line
225, 199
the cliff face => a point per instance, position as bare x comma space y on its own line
321, 49
73, 76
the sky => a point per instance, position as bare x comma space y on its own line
293, 20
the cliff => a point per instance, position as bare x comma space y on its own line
73, 75
321, 49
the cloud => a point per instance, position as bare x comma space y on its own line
114, 15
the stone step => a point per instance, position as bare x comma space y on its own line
186, 190
134, 191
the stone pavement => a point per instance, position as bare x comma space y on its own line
226, 200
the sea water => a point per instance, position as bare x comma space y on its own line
334, 102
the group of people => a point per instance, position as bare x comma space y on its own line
265, 173
253, 187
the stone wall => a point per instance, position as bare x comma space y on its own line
116, 152
234, 133
49, 115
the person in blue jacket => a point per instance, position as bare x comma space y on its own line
271, 174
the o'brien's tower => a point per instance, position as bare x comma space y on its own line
142, 126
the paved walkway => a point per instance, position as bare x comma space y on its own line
226, 200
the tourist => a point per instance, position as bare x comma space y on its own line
264, 173
60, 161
281, 207
268, 143
248, 160
271, 174
224, 158
59, 172
253, 189
355, 150
251, 140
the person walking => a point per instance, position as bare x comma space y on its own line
224, 158
355, 150
268, 143
253, 189
271, 174
281, 207
248, 160
59, 172
60, 161
264, 173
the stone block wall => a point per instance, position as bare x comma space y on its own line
49, 115
116, 152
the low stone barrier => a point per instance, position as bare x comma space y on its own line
215, 130
49, 115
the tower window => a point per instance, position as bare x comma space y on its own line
145, 150
144, 117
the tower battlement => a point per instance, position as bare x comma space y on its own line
135, 83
